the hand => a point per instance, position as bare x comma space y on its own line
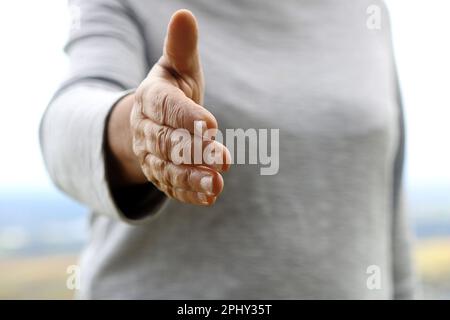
168, 99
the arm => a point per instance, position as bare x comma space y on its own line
85, 132
405, 282
119, 150
144, 128
405, 286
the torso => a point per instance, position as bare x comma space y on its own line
315, 71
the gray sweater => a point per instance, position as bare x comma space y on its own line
322, 227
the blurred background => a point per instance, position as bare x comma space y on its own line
42, 231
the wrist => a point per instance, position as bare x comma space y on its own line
124, 165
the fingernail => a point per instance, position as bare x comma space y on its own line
206, 183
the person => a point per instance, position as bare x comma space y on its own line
328, 224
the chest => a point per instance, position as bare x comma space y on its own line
310, 68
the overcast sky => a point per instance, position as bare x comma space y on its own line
32, 64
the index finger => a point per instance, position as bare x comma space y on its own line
168, 105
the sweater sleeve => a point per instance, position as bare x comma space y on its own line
405, 282
403, 271
107, 57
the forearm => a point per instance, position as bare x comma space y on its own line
72, 136
83, 157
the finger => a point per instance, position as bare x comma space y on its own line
180, 46
180, 147
192, 178
168, 105
187, 196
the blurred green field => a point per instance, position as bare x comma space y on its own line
35, 277
433, 265
45, 277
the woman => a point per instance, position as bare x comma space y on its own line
328, 224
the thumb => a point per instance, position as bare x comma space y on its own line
180, 46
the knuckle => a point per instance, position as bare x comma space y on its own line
146, 128
139, 148
166, 176
157, 164
147, 133
149, 162
181, 147
136, 125
159, 167
163, 141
